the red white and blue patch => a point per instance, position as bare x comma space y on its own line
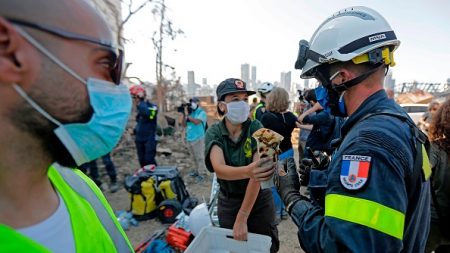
355, 171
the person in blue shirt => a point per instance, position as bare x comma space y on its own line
323, 124
195, 137
376, 190
145, 130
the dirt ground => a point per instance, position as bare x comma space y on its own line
125, 159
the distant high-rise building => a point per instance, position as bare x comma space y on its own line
285, 80
191, 86
191, 77
245, 72
204, 81
288, 81
253, 84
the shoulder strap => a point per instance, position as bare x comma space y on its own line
205, 125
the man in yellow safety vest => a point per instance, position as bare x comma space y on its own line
61, 105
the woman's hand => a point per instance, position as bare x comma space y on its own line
262, 170
240, 230
301, 117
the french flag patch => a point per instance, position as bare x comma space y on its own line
355, 171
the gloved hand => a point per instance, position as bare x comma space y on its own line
305, 171
287, 183
322, 160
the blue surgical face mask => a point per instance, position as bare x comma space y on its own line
332, 103
322, 97
111, 105
342, 108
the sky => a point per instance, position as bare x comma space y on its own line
220, 35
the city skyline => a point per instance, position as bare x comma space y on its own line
251, 80
221, 35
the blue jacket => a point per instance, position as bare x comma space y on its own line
373, 200
321, 132
146, 119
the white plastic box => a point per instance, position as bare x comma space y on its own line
220, 240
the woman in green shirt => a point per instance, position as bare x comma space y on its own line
231, 153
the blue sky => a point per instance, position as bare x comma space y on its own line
221, 35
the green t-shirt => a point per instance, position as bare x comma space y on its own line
235, 154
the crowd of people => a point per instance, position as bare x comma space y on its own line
365, 163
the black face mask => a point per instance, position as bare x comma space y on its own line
335, 100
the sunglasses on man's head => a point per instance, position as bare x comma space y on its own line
116, 52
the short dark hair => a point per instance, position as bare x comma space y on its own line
310, 95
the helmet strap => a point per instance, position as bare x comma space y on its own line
346, 85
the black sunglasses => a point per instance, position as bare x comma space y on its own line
116, 52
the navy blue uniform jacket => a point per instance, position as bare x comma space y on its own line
382, 215
146, 119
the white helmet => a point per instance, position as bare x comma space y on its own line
265, 87
199, 218
350, 34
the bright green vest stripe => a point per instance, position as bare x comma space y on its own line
152, 112
13, 241
367, 213
256, 108
425, 163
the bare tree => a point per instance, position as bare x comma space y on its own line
132, 9
165, 31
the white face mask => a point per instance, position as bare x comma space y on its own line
237, 112
194, 105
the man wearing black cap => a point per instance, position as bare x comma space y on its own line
195, 137
231, 153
